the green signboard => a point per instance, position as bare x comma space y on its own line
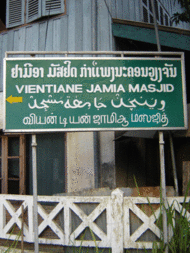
87, 94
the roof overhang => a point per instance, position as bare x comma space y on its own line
139, 31
143, 32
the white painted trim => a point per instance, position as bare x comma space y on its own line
117, 207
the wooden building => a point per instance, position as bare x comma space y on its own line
73, 161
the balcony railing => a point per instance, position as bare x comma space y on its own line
114, 222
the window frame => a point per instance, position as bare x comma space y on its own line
161, 13
32, 10
5, 157
10, 13
32, 15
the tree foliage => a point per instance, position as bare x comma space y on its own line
184, 16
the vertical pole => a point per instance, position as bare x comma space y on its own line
163, 189
174, 166
95, 134
35, 199
161, 146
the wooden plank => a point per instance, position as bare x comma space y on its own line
103, 27
87, 25
42, 36
137, 10
64, 34
19, 39
126, 9
32, 38
119, 9
71, 25
22, 165
56, 34
79, 25
113, 8
4, 186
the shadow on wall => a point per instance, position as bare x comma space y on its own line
137, 162
130, 162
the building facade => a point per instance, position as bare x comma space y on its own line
73, 161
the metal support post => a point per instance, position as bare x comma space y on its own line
174, 165
161, 146
163, 188
35, 199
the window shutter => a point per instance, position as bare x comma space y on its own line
15, 13
33, 10
52, 7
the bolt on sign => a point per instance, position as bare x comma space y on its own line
89, 94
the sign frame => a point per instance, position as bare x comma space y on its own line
149, 56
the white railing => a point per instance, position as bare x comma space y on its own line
116, 221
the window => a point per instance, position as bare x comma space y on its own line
145, 15
12, 164
145, 2
166, 20
24, 11
15, 13
156, 10
3, 13
162, 15
150, 6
